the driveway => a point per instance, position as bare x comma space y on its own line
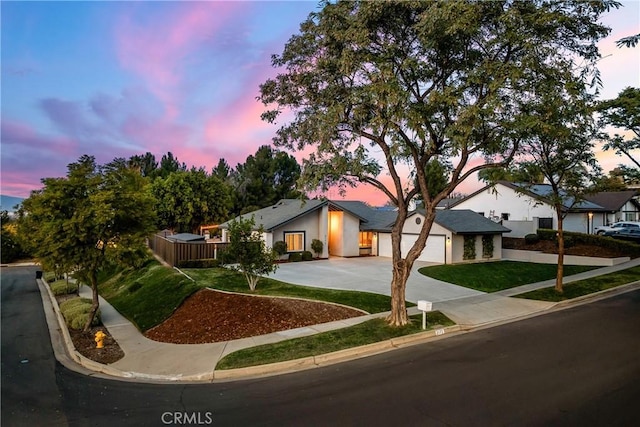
368, 274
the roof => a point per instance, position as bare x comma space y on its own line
466, 221
286, 210
540, 192
186, 237
612, 200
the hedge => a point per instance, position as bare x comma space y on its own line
61, 287
76, 312
631, 249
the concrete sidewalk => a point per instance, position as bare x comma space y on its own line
146, 359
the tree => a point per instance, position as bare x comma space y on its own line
265, 178
560, 145
527, 172
185, 200
94, 215
11, 247
146, 163
170, 164
375, 85
247, 251
623, 112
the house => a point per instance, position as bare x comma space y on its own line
618, 206
352, 228
524, 209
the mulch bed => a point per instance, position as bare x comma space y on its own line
210, 316
85, 343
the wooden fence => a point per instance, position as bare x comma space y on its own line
174, 252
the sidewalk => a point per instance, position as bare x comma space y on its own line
148, 360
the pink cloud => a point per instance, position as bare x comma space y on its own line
159, 50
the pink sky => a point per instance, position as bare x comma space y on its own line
114, 79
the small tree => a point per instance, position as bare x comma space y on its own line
247, 251
316, 246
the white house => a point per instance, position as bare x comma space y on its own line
524, 209
352, 228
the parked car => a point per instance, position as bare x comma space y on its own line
618, 226
628, 234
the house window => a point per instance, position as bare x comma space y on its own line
366, 237
504, 216
546, 223
294, 241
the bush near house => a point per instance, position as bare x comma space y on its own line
631, 249
317, 246
295, 257
307, 256
280, 247
76, 312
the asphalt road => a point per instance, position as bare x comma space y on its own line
579, 366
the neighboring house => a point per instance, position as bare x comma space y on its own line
618, 206
352, 228
525, 209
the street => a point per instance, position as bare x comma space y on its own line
578, 366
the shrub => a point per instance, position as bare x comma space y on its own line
487, 246
295, 257
316, 246
569, 241
531, 239
469, 251
280, 247
61, 287
76, 312
135, 286
199, 263
307, 256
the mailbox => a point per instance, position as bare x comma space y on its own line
425, 305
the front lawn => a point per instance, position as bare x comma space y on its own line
585, 287
368, 332
497, 276
228, 280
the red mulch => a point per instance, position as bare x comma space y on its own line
211, 316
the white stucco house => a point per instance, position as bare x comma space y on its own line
352, 228
525, 209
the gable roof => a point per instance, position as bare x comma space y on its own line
612, 200
466, 221
540, 192
287, 210
459, 221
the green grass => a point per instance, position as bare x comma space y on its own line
368, 332
228, 280
146, 296
61, 287
585, 287
497, 276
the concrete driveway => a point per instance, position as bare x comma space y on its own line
369, 274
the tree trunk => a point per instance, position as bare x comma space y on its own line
398, 316
560, 272
93, 278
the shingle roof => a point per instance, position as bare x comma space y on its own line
541, 192
612, 200
465, 221
286, 210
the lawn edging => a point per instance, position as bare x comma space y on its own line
616, 289
333, 357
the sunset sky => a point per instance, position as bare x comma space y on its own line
114, 79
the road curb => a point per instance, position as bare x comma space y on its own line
333, 357
617, 289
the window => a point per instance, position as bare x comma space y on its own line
294, 241
504, 216
366, 237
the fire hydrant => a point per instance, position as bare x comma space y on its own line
100, 336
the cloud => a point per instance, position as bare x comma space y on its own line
28, 155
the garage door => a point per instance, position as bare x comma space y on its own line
433, 252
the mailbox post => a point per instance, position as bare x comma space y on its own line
424, 306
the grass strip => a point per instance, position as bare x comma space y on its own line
499, 275
368, 332
584, 287
149, 295
232, 281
